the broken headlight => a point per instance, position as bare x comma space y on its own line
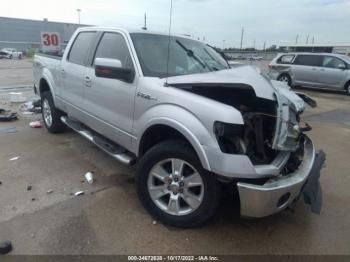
229, 137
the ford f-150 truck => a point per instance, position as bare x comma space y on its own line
193, 125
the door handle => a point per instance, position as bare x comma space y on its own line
63, 73
88, 81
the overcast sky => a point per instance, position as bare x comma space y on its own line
274, 21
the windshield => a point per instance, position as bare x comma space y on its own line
186, 56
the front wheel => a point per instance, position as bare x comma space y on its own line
174, 187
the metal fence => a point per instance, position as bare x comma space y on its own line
244, 55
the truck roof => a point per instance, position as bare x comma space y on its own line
130, 31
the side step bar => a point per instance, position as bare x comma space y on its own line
112, 149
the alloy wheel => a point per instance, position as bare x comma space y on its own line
175, 187
47, 113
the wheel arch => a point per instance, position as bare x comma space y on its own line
46, 85
166, 129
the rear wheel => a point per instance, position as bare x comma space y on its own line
173, 186
347, 88
51, 115
285, 78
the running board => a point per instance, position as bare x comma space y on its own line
117, 152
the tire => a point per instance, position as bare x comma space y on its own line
285, 78
347, 88
11, 56
51, 115
203, 194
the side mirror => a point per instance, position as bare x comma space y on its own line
342, 66
112, 68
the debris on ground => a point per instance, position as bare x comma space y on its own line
31, 107
0, 183
89, 176
33, 199
79, 193
50, 191
5, 247
36, 124
154, 222
8, 130
17, 97
29, 188
8, 116
14, 158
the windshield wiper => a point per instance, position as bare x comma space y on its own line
190, 53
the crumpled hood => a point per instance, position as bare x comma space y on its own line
241, 76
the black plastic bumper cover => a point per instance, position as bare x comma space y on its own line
311, 191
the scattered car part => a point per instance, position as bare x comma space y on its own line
36, 124
5, 247
8, 117
79, 193
8, 130
14, 158
89, 177
17, 97
29, 188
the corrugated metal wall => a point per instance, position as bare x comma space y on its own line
23, 34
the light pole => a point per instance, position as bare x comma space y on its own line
223, 45
79, 10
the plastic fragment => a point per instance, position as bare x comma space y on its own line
79, 193
50, 191
36, 124
89, 177
5, 247
14, 158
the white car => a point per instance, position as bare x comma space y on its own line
12, 53
256, 58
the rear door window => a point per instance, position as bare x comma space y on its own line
79, 51
332, 62
308, 60
286, 59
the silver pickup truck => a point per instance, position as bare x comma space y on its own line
193, 125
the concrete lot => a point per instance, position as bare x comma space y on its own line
16, 72
109, 219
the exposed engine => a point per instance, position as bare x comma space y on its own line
254, 139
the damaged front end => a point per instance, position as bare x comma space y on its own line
270, 158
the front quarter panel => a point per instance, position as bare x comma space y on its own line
192, 115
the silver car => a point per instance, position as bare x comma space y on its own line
321, 70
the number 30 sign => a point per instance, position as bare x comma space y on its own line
50, 41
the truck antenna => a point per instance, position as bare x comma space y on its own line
169, 39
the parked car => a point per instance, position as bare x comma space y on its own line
255, 58
320, 70
5, 55
190, 122
13, 53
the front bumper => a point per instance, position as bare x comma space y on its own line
277, 193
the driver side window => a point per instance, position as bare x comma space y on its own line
113, 46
